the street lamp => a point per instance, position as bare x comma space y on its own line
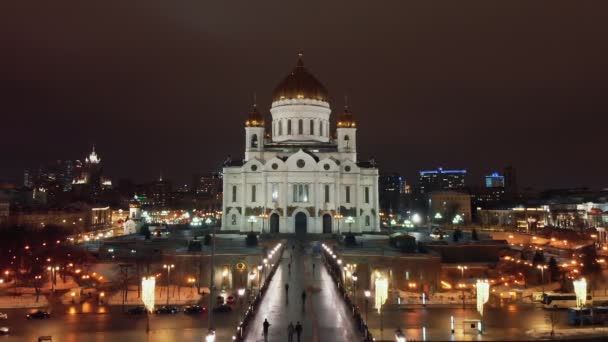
263, 217
338, 217
542, 275
462, 268
252, 220
168, 268
350, 220
241, 292
251, 279
53, 271
367, 294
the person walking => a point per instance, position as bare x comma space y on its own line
286, 289
298, 330
303, 298
290, 331
266, 326
313, 268
289, 268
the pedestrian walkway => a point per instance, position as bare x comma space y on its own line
324, 317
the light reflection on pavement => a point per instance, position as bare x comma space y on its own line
324, 317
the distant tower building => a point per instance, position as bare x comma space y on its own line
390, 187
89, 181
495, 180
28, 181
441, 180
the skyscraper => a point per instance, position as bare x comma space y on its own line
441, 180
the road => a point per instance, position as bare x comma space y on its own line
324, 317
88, 322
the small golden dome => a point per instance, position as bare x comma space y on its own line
300, 84
254, 119
346, 119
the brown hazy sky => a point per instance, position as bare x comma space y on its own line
165, 85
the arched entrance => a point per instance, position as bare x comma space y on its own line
274, 223
301, 223
326, 224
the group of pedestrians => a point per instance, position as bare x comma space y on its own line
291, 330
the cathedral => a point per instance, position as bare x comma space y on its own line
302, 176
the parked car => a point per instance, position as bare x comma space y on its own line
230, 300
166, 309
38, 314
138, 310
194, 309
222, 308
3, 330
3, 315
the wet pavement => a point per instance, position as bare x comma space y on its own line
324, 316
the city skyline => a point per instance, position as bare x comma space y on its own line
441, 92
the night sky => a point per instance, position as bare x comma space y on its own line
462, 84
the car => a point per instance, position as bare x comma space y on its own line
219, 300
222, 308
38, 314
166, 309
3, 315
138, 310
3, 330
194, 309
230, 300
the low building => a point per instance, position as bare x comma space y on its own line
449, 205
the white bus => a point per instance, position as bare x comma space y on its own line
561, 300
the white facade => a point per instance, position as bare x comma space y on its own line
300, 179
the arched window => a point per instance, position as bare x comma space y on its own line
234, 193
312, 127
253, 193
347, 141
280, 124
288, 127
321, 128
367, 220
233, 219
300, 127
254, 141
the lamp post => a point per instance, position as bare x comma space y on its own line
542, 276
251, 279
53, 271
265, 267
462, 268
251, 221
367, 294
241, 292
350, 220
168, 267
263, 217
260, 267
211, 286
338, 217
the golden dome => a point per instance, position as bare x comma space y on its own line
300, 84
346, 119
254, 119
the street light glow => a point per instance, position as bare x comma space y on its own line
147, 297
381, 292
483, 294
580, 289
